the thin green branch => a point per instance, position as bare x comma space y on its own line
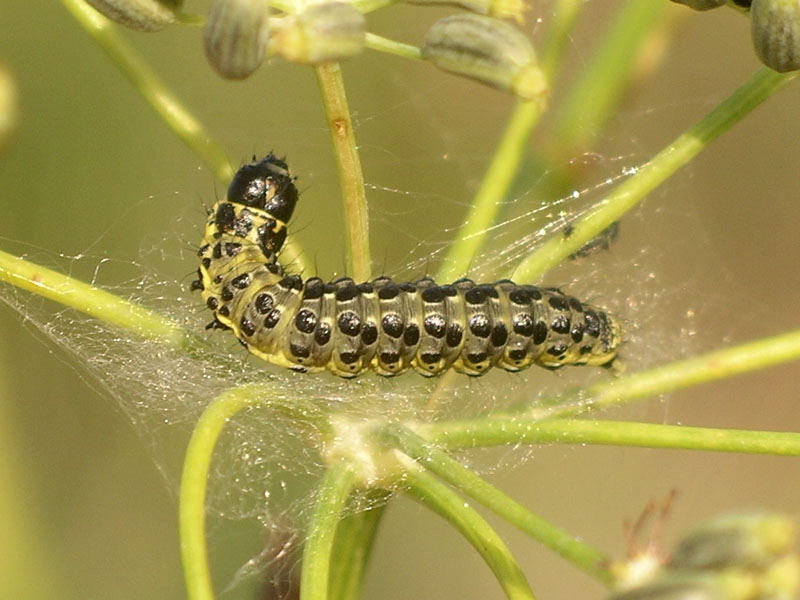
493, 189
153, 90
166, 105
618, 50
472, 526
625, 196
352, 546
336, 486
719, 364
598, 91
498, 431
337, 113
559, 27
309, 420
191, 509
450, 470
92, 301
382, 44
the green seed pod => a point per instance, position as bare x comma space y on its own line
775, 25
141, 15
235, 36
744, 541
487, 50
701, 4
502, 9
321, 33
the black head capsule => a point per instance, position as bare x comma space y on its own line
267, 185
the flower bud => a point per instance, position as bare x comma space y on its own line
749, 556
487, 50
775, 25
141, 15
701, 4
502, 9
749, 541
235, 36
320, 33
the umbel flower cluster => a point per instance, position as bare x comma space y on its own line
478, 44
775, 25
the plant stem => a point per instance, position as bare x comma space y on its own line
91, 301
473, 527
166, 104
153, 90
382, 44
494, 186
337, 113
598, 91
497, 431
565, 12
625, 196
715, 365
191, 508
450, 470
719, 364
334, 489
308, 419
351, 551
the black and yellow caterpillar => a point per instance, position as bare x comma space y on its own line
348, 327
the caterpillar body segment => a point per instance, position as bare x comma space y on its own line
386, 326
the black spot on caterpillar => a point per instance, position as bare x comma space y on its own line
389, 327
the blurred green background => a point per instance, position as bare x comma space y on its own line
84, 512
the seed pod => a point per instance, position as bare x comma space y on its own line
235, 36
502, 9
321, 33
775, 25
701, 4
487, 50
141, 15
747, 541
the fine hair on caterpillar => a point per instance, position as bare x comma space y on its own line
389, 327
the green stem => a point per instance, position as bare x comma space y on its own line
719, 364
604, 79
352, 546
708, 367
493, 189
382, 44
470, 524
507, 157
30, 567
498, 431
166, 104
309, 420
337, 113
336, 485
450, 470
156, 94
625, 196
91, 301
191, 508
565, 12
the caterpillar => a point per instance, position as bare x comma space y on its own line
389, 327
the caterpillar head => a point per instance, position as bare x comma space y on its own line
265, 185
